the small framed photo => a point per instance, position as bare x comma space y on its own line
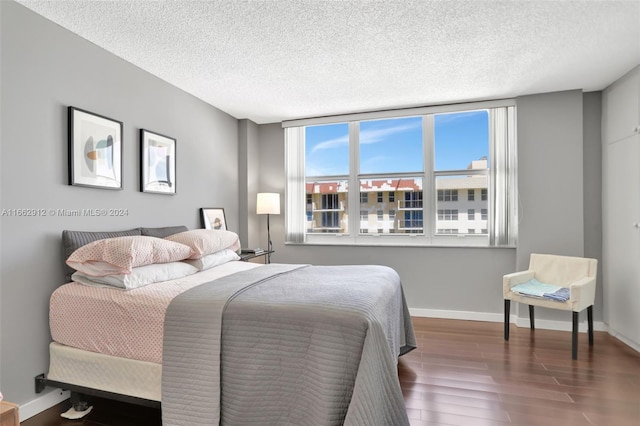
157, 163
95, 150
213, 218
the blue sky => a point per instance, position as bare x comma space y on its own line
395, 145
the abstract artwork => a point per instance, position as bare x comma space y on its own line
213, 218
157, 163
95, 150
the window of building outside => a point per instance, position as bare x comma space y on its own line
364, 221
448, 214
429, 166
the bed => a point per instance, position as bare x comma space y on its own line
233, 342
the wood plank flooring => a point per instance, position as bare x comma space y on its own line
464, 373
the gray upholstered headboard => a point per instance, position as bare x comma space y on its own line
72, 240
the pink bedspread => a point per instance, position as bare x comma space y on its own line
127, 324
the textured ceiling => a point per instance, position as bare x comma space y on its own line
270, 61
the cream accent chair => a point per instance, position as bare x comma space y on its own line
576, 273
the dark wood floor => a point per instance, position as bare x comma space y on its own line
464, 373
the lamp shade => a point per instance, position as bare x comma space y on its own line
268, 203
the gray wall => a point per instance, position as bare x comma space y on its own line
552, 206
45, 69
592, 190
248, 181
550, 178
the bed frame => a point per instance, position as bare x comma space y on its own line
81, 396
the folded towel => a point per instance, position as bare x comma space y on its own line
535, 288
561, 295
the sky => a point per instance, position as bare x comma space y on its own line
395, 145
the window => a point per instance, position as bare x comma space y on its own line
448, 231
412, 222
423, 163
447, 214
447, 195
364, 221
330, 222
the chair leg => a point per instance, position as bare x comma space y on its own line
574, 337
590, 321
531, 320
507, 313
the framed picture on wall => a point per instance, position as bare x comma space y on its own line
213, 218
95, 150
157, 163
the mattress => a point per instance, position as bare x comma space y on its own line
122, 323
140, 379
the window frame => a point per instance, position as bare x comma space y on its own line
429, 236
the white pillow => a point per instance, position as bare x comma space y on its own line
206, 241
140, 276
215, 259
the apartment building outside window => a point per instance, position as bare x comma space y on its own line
447, 195
428, 165
447, 214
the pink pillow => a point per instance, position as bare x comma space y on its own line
114, 256
206, 241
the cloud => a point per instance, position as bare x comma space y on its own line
378, 135
456, 116
369, 136
332, 143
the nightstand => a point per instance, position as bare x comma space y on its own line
9, 414
245, 257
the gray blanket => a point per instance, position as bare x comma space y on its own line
287, 345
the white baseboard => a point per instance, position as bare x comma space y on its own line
41, 403
633, 345
461, 315
513, 319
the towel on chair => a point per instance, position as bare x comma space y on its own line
561, 295
535, 288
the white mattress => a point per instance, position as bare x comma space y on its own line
131, 377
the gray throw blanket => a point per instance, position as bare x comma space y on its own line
287, 345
